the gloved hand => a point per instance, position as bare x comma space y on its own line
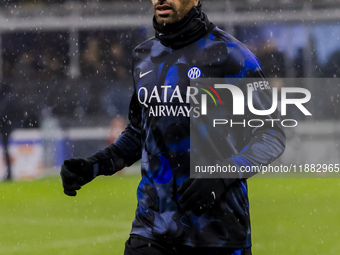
199, 195
76, 172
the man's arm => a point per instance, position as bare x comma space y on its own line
265, 144
126, 150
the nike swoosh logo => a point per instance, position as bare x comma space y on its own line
141, 75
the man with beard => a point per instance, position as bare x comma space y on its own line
177, 214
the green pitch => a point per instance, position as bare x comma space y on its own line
289, 216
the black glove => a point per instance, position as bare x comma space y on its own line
199, 195
76, 172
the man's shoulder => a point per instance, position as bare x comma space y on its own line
146, 45
237, 55
221, 36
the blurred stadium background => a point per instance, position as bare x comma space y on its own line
68, 67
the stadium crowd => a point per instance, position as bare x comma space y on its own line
39, 74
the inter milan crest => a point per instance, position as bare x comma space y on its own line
194, 73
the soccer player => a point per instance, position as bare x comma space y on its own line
177, 214
8, 118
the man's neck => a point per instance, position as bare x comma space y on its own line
191, 28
